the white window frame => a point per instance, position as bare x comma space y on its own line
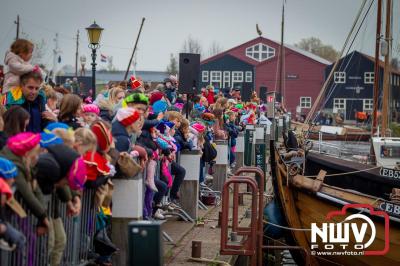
256, 52
237, 76
368, 105
339, 77
204, 76
248, 76
369, 77
226, 79
305, 102
216, 77
339, 103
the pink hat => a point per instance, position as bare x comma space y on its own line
77, 174
198, 127
91, 108
21, 143
179, 106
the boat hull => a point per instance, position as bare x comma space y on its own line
368, 182
302, 207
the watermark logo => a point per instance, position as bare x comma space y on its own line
353, 235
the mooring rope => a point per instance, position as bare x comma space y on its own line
347, 173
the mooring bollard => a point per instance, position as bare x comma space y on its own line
241, 199
127, 206
233, 236
221, 165
219, 218
196, 249
239, 151
249, 139
190, 160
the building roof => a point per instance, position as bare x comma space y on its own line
264, 40
147, 76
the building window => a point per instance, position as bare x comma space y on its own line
339, 104
227, 79
237, 76
369, 77
249, 76
204, 76
305, 102
340, 77
215, 76
368, 105
260, 52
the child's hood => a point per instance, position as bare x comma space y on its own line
10, 56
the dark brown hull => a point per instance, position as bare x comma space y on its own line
302, 207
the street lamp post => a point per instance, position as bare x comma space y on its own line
94, 34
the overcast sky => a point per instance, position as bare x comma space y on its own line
170, 22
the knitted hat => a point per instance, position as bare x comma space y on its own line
48, 172
239, 106
156, 96
135, 83
65, 156
103, 135
50, 127
7, 169
136, 98
199, 107
179, 105
21, 143
164, 125
160, 107
91, 108
47, 139
162, 144
127, 116
200, 128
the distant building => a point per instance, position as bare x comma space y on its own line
351, 88
254, 66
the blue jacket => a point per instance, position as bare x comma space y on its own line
233, 132
121, 136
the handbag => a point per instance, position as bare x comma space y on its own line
128, 167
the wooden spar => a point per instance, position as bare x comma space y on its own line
327, 81
134, 49
281, 55
376, 70
387, 70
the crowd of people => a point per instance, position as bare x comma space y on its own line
59, 144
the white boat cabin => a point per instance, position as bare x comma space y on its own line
387, 151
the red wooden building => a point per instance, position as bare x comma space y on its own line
254, 65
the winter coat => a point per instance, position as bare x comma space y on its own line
72, 122
233, 133
35, 108
145, 139
181, 142
121, 137
26, 187
15, 67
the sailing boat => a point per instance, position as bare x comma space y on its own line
311, 198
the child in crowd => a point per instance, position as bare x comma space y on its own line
90, 113
70, 110
17, 63
233, 133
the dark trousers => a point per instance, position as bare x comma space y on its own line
179, 174
162, 191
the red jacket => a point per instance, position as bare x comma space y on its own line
209, 96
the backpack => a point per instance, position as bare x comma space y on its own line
209, 151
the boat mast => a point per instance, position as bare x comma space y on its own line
376, 71
387, 69
281, 96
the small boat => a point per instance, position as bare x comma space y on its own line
307, 200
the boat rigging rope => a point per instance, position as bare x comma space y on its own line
309, 229
347, 173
